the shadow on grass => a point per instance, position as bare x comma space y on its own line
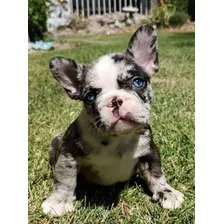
182, 35
106, 196
182, 39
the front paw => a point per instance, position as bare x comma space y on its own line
169, 198
55, 205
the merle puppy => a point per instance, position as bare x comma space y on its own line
111, 138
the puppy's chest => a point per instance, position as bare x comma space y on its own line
109, 165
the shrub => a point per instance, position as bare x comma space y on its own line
37, 18
161, 14
166, 14
187, 6
181, 5
179, 18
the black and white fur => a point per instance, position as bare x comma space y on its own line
111, 138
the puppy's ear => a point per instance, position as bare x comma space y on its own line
69, 74
143, 48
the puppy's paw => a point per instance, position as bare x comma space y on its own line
56, 206
169, 198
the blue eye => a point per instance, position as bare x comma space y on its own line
90, 96
138, 83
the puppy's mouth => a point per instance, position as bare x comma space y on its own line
126, 119
119, 122
125, 124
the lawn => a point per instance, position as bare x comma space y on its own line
51, 111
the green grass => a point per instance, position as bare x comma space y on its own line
172, 121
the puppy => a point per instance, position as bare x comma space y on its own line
111, 138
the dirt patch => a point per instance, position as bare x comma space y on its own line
188, 27
64, 45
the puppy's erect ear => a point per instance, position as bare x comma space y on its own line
69, 74
143, 48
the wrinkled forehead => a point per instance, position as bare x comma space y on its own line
109, 69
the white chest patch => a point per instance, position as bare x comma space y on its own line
109, 165
110, 169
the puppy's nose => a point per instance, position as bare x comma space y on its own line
119, 101
116, 102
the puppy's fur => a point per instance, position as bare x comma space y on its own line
111, 138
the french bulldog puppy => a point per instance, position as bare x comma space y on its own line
111, 138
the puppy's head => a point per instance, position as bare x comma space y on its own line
115, 88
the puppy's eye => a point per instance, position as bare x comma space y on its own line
138, 82
90, 96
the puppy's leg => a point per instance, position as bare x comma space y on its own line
150, 167
65, 176
54, 150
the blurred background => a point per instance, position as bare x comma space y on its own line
50, 19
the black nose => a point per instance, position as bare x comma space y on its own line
116, 102
119, 101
